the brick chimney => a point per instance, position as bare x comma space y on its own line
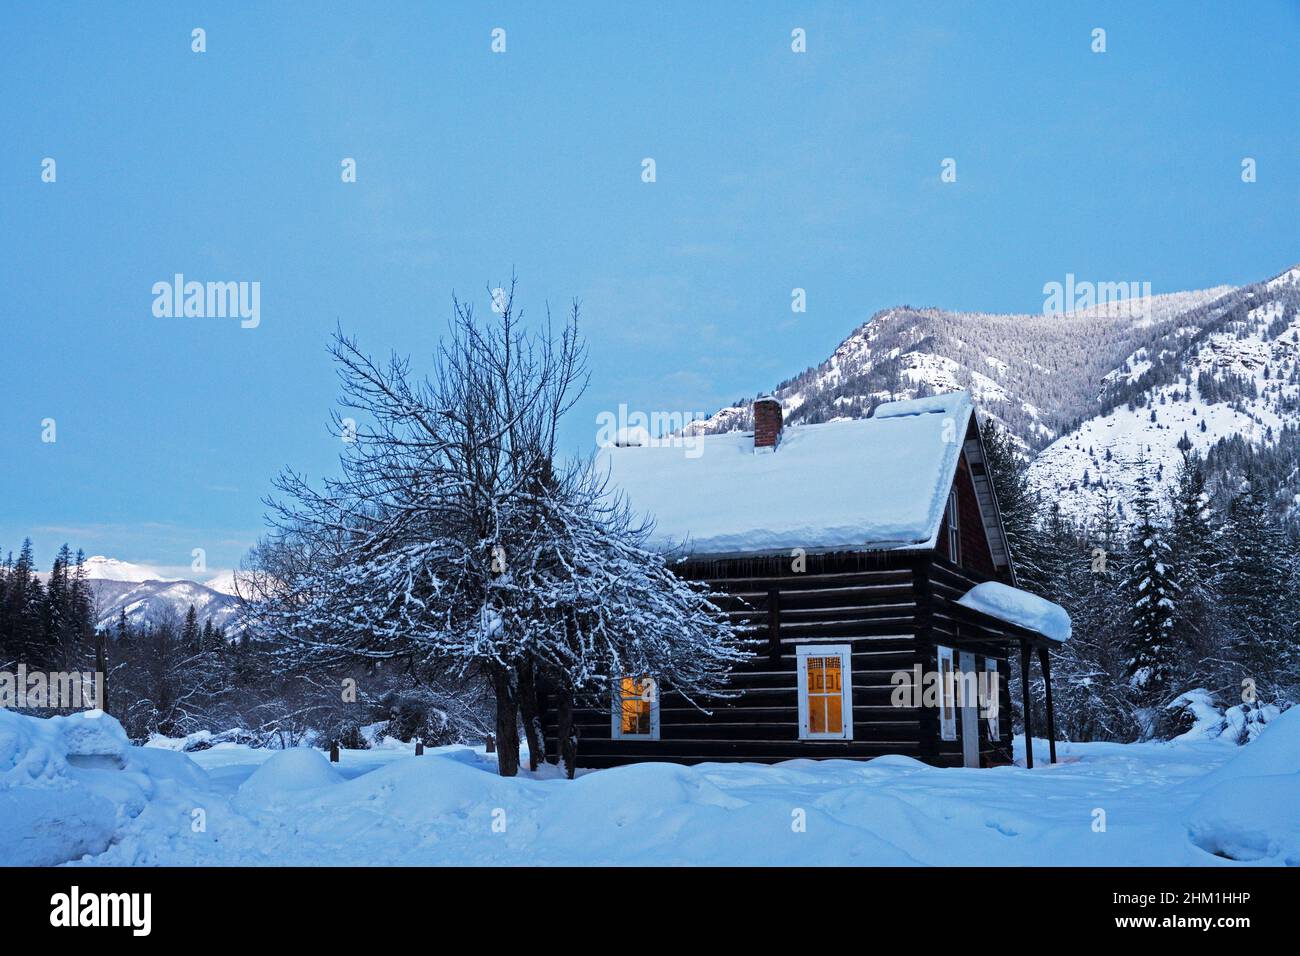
767, 423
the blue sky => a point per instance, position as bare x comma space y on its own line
775, 170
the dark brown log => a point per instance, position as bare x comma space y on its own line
1046, 666
530, 712
566, 733
507, 735
774, 624
490, 745
101, 669
1025, 705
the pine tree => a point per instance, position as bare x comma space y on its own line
1196, 557
1017, 506
1254, 585
191, 636
1151, 592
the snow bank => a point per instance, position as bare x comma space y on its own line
1275, 751
1251, 811
68, 785
73, 790
1019, 607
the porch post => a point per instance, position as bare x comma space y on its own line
1024, 705
1043, 662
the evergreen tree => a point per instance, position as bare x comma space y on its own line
191, 636
1196, 557
1151, 592
1018, 507
1254, 586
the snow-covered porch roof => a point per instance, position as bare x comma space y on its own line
1019, 608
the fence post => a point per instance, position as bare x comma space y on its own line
491, 744
334, 751
419, 747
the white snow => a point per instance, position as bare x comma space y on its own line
1019, 607
1202, 802
877, 482
111, 569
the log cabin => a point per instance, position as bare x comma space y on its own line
866, 560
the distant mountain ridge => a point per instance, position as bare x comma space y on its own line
148, 597
1077, 390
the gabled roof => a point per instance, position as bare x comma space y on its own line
861, 485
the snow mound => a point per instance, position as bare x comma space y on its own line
69, 785
1251, 811
425, 789
289, 771
1253, 819
1197, 705
950, 403
1019, 607
1275, 751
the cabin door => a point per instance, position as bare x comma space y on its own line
970, 719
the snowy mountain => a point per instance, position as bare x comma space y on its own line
150, 602
148, 596
111, 569
1092, 395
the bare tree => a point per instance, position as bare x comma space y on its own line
455, 537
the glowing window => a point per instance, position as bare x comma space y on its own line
825, 692
636, 709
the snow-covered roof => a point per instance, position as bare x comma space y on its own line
1019, 607
863, 484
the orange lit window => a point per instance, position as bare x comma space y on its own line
636, 710
824, 693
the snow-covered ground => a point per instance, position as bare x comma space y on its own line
73, 790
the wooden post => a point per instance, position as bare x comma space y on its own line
334, 751
1024, 703
419, 747
491, 744
101, 669
1051, 715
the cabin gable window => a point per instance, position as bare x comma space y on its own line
825, 692
954, 527
947, 695
636, 709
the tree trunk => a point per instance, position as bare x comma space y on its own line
531, 712
566, 732
101, 671
503, 687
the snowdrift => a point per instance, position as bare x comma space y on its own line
69, 785
73, 790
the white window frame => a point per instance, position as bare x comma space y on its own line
845, 654
994, 713
954, 527
616, 713
947, 686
